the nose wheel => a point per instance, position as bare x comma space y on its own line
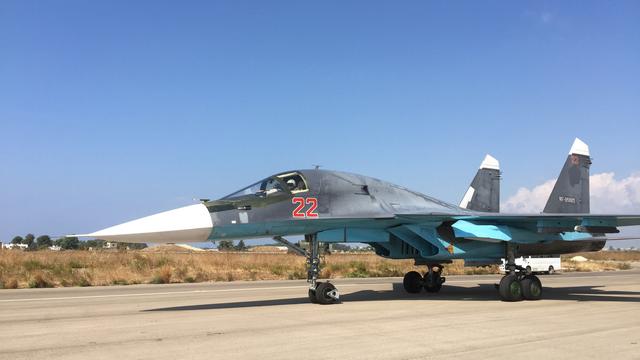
325, 294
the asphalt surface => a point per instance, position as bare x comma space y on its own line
587, 316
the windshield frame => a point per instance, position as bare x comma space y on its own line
294, 173
246, 191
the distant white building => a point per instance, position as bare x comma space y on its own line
55, 248
269, 249
15, 246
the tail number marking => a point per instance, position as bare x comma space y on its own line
301, 203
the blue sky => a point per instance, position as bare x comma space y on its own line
115, 110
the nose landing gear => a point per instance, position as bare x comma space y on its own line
319, 292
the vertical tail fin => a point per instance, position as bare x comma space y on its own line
571, 192
484, 192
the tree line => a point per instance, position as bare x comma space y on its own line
66, 243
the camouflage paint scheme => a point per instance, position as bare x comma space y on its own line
398, 223
403, 224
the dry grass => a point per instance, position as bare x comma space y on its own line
85, 268
608, 255
595, 265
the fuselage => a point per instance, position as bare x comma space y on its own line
345, 207
341, 207
329, 199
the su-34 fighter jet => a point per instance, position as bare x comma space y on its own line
330, 206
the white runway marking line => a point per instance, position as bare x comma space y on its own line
156, 293
245, 289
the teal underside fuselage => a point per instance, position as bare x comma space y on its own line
397, 239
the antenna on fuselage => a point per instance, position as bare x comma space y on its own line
316, 166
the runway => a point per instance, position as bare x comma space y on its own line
586, 315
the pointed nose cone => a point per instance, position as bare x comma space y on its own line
186, 224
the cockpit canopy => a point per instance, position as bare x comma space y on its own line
283, 184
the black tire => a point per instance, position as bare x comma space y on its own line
322, 293
551, 270
432, 282
510, 288
433, 289
531, 288
528, 270
412, 282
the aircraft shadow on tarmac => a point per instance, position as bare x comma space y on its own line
482, 292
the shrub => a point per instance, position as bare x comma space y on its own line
359, 270
74, 264
277, 269
140, 262
39, 281
298, 274
81, 281
162, 261
32, 264
163, 276
11, 284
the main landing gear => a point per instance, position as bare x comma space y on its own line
518, 283
432, 281
517, 286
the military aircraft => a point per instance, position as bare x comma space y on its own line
331, 206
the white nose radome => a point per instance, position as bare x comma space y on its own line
186, 224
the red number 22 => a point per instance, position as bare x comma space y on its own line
301, 202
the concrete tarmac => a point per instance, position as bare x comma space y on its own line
586, 316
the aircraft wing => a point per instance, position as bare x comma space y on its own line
576, 219
532, 220
513, 227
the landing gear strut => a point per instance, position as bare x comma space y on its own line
517, 284
432, 281
319, 292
